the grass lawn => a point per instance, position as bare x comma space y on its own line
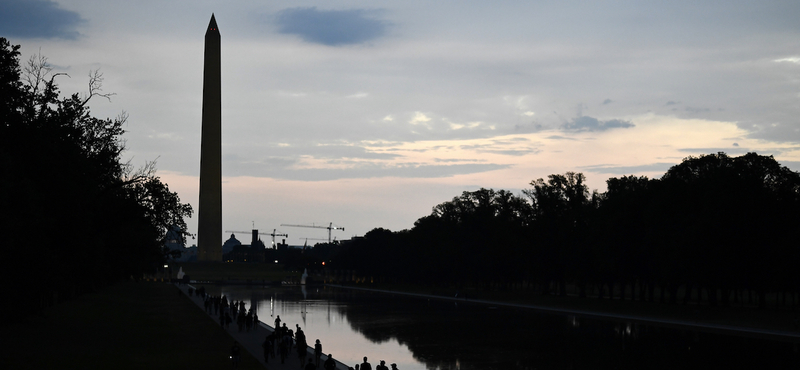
130, 325
216, 271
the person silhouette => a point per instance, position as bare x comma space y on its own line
310, 365
365, 365
317, 352
329, 364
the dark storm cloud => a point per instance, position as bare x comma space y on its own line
37, 19
331, 27
586, 123
628, 170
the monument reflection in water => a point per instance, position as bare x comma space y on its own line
417, 333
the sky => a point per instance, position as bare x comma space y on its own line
367, 114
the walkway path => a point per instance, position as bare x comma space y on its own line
251, 341
708, 327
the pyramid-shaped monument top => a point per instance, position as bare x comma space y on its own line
212, 26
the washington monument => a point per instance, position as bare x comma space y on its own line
209, 230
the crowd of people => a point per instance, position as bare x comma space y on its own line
229, 312
367, 366
283, 340
280, 342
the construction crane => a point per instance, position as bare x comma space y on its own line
330, 227
255, 232
305, 245
322, 239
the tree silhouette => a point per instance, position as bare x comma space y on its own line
74, 213
562, 208
713, 227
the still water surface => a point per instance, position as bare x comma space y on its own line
417, 333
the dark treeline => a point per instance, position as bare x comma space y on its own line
718, 227
74, 216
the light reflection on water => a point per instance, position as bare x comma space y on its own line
320, 319
418, 333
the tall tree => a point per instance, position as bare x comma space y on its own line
736, 216
562, 208
76, 214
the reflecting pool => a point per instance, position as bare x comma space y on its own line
418, 333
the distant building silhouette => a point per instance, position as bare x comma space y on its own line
230, 243
234, 251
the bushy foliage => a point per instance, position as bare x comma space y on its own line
74, 215
713, 222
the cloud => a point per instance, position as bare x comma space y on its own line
795, 60
586, 123
559, 137
735, 150
453, 160
459, 126
37, 19
331, 27
528, 128
697, 110
672, 102
511, 152
512, 147
365, 170
628, 170
607, 101
357, 95
419, 118
272, 161
329, 151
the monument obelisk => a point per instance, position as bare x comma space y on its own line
209, 230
